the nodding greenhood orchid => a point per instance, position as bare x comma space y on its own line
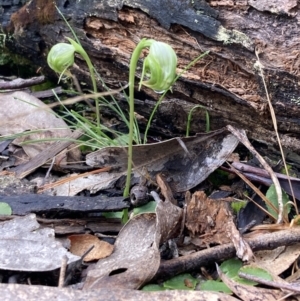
160, 69
159, 66
61, 57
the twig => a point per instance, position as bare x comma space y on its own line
62, 273
47, 93
243, 139
49, 170
205, 257
273, 116
257, 191
72, 178
155, 196
76, 99
22, 83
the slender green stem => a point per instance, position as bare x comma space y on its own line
133, 64
152, 114
91, 70
79, 49
83, 53
207, 128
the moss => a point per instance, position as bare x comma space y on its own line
14, 64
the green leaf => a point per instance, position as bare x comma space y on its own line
147, 208
5, 209
272, 196
231, 267
255, 271
181, 282
237, 206
153, 288
215, 286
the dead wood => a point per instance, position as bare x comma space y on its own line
38, 203
22, 83
66, 226
226, 82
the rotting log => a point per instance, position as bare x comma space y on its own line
226, 82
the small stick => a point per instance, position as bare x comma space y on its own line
19, 83
62, 273
288, 286
49, 170
243, 139
274, 120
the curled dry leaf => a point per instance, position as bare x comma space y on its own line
134, 249
81, 243
211, 222
279, 259
136, 257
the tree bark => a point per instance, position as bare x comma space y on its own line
227, 82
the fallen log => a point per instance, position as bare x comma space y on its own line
227, 82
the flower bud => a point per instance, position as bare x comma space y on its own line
160, 67
61, 57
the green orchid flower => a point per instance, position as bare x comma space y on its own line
61, 57
159, 66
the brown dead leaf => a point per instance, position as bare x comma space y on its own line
24, 112
206, 218
81, 243
210, 222
165, 188
279, 259
135, 248
185, 161
248, 292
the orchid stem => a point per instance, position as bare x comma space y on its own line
133, 64
79, 49
91, 70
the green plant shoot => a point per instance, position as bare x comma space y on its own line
190, 119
